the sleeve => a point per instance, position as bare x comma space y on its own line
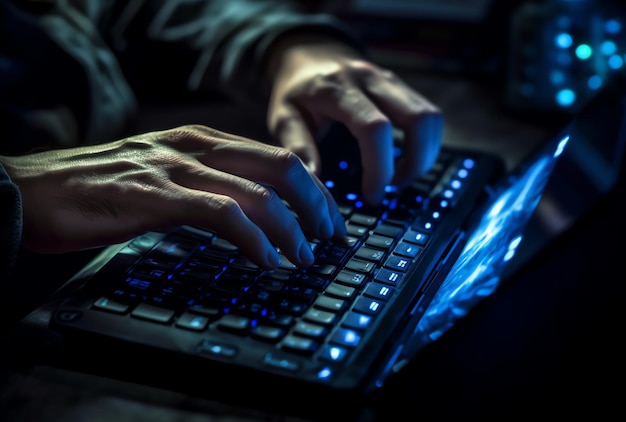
10, 222
213, 46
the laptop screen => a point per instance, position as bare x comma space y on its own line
563, 179
477, 272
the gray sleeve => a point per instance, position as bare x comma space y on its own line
216, 45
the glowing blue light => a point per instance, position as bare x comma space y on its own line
565, 97
443, 204
508, 255
462, 173
324, 373
563, 40
515, 242
436, 214
336, 353
351, 337
612, 26
419, 237
351, 196
343, 165
329, 184
608, 47
197, 322
561, 146
448, 193
456, 184
594, 82
512, 248
584, 51
364, 321
391, 188
428, 225
468, 163
616, 62
358, 204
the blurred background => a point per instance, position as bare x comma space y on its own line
542, 55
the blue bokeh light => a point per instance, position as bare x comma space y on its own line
563, 40
565, 97
616, 62
612, 26
594, 82
584, 51
608, 47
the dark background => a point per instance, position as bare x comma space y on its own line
547, 343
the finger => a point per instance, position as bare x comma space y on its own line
267, 165
422, 143
340, 231
102, 215
285, 172
420, 121
260, 204
222, 214
293, 133
372, 130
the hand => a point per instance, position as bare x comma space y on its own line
193, 175
318, 81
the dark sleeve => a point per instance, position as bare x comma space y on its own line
215, 46
10, 222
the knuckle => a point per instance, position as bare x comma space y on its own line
264, 196
226, 207
362, 68
288, 163
330, 84
375, 122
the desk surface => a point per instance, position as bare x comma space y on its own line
463, 375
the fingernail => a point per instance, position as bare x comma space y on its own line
306, 254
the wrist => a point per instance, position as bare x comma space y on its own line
301, 47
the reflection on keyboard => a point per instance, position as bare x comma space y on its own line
193, 280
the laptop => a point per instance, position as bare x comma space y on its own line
184, 310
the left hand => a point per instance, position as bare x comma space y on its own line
318, 81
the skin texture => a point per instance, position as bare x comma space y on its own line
97, 195
85, 197
317, 81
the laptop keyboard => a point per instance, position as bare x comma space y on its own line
193, 280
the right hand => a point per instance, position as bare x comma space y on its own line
97, 195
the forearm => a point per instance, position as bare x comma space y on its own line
214, 46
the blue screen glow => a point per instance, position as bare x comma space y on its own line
476, 273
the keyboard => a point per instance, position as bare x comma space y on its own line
192, 281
